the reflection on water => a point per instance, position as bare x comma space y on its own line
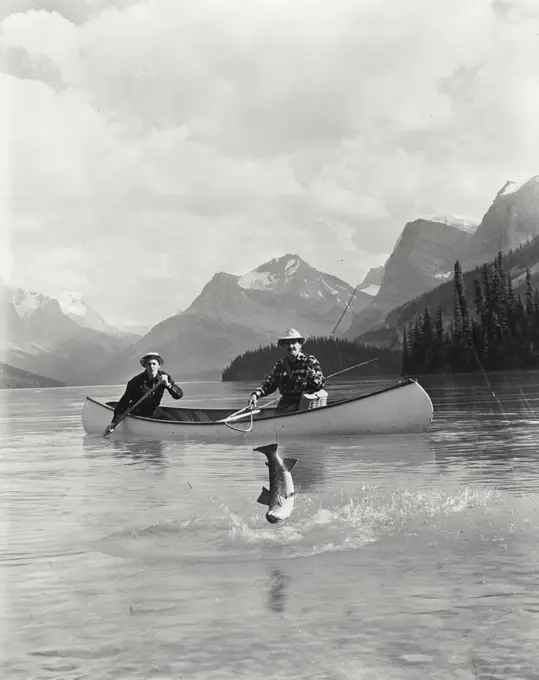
406, 557
277, 592
133, 452
487, 431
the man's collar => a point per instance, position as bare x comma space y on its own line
299, 356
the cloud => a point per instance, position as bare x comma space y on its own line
156, 142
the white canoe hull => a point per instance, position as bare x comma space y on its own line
404, 408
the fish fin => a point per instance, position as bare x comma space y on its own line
267, 449
289, 463
264, 498
291, 495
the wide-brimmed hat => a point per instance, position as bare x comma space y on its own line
291, 334
151, 355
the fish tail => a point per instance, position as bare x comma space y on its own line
267, 449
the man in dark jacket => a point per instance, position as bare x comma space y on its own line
294, 374
140, 385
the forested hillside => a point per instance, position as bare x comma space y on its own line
333, 354
498, 329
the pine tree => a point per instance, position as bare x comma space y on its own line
405, 352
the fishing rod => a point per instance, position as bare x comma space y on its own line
363, 363
344, 312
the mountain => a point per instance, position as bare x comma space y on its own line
38, 336
371, 283
389, 333
14, 378
233, 314
76, 308
423, 256
511, 221
425, 253
285, 286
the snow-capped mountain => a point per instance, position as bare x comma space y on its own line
290, 274
39, 336
272, 275
235, 313
73, 305
467, 224
25, 303
287, 287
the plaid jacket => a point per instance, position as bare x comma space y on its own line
293, 377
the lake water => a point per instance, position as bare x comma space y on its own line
406, 557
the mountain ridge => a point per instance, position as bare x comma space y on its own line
510, 220
227, 318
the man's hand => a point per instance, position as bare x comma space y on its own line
252, 401
165, 380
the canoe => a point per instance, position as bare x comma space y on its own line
402, 408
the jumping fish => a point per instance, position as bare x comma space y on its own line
280, 496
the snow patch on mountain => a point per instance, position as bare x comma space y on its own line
370, 290
25, 302
257, 280
326, 284
71, 302
269, 275
513, 187
460, 222
444, 276
291, 268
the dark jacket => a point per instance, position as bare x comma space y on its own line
137, 387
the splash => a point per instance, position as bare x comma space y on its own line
319, 525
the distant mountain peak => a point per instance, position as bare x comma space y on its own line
71, 302
269, 275
511, 187
27, 302
467, 224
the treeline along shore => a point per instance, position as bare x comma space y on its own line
497, 330
334, 354
16, 378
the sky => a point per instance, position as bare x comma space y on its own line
148, 144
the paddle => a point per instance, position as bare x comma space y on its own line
112, 427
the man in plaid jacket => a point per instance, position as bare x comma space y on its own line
294, 374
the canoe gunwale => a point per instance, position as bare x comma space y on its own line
265, 418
